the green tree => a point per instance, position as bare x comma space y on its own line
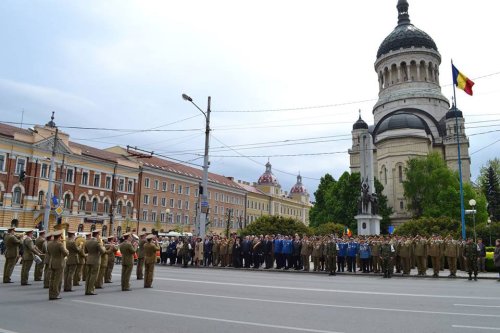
483, 172
489, 182
328, 229
320, 213
273, 225
427, 226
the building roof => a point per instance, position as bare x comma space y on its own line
250, 188
268, 178
402, 120
299, 187
8, 130
95, 152
405, 35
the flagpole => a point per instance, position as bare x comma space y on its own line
462, 211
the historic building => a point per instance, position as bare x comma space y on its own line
411, 117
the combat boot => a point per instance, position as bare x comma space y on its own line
470, 277
475, 277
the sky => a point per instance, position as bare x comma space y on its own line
286, 78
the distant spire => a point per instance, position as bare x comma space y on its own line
359, 114
403, 16
51, 123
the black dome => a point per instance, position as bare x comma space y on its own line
405, 35
360, 124
400, 121
454, 112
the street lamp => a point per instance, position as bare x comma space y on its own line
489, 227
167, 212
472, 203
202, 213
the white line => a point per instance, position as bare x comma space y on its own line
327, 290
477, 327
207, 318
478, 306
3, 330
331, 305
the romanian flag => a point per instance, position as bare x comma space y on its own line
461, 81
348, 232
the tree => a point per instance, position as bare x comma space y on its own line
320, 214
273, 225
433, 190
489, 183
328, 229
427, 226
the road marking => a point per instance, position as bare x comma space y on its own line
478, 305
326, 290
477, 327
207, 318
330, 305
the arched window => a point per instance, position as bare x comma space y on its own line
80, 227
92, 227
119, 231
14, 223
400, 173
94, 205
401, 205
40, 198
104, 230
119, 208
83, 203
106, 206
129, 209
17, 196
67, 201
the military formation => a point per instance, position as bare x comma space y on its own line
63, 262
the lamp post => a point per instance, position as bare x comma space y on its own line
202, 213
167, 212
489, 227
472, 203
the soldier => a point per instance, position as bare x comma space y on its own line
40, 243
94, 249
341, 254
375, 252
12, 243
79, 272
451, 247
150, 248
46, 261
331, 255
57, 253
127, 249
215, 251
74, 252
316, 254
435, 247
421, 255
102, 267
471, 252
405, 253
140, 256
29, 252
223, 252
111, 249
387, 253
364, 256
305, 253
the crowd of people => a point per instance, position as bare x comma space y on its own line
64, 262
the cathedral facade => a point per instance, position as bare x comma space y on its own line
412, 118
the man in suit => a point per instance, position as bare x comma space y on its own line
11, 253
150, 248
127, 250
140, 257
94, 250
40, 243
267, 249
29, 251
74, 253
111, 251
57, 253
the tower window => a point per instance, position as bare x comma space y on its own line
400, 173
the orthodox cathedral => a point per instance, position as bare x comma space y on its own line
412, 118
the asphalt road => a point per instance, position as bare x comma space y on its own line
226, 300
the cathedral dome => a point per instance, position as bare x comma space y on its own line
360, 124
402, 121
454, 111
267, 177
298, 188
405, 35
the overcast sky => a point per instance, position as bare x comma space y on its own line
124, 64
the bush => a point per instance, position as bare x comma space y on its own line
328, 229
273, 225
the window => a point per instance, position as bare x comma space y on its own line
186, 205
146, 199
67, 201
401, 205
121, 184
146, 182
216, 210
217, 196
156, 185
106, 206
2, 162
44, 170
70, 175
186, 219
97, 180
40, 198
179, 189
144, 215
162, 217
119, 208
20, 165
178, 218
85, 178
172, 188
196, 192
108, 182
130, 186
164, 186
187, 190
221, 196
129, 209
155, 200
400, 173
82, 203
171, 203
164, 202
179, 204
94, 205
153, 216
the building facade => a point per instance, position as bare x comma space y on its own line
412, 118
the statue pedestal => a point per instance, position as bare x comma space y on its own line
368, 224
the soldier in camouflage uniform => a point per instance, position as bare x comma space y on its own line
470, 254
387, 253
331, 255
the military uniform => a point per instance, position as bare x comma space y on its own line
11, 253
316, 254
471, 252
39, 244
375, 252
150, 250
111, 250
74, 253
57, 253
435, 248
127, 250
215, 252
405, 253
46, 261
79, 272
420, 247
102, 269
451, 247
305, 253
331, 256
94, 249
140, 259
29, 251
387, 253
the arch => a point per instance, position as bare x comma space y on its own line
67, 199
41, 195
94, 204
104, 230
119, 207
423, 71
83, 195
2, 187
386, 77
80, 227
404, 72
430, 71
82, 203
14, 223
129, 210
394, 74
413, 71
416, 112
106, 205
95, 196
70, 194
19, 185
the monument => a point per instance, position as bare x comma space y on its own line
368, 218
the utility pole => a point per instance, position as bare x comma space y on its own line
52, 173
